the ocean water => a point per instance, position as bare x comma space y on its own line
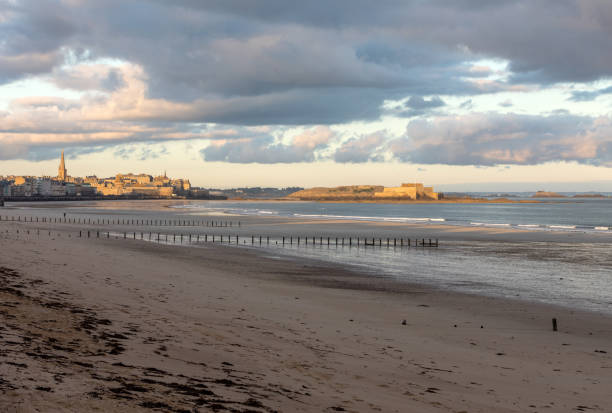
576, 275
566, 215
570, 275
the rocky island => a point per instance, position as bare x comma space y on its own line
352, 193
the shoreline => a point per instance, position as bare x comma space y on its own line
422, 201
287, 334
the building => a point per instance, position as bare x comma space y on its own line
129, 185
62, 174
411, 191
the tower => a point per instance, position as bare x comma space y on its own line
62, 173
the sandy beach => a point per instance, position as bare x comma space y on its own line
128, 325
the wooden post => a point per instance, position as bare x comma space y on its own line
554, 324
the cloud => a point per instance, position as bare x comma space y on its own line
86, 77
416, 106
110, 116
267, 150
361, 149
293, 65
140, 153
466, 104
589, 95
494, 139
418, 102
157, 70
27, 64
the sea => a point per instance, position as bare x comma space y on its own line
575, 273
570, 274
581, 214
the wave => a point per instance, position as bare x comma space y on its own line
370, 218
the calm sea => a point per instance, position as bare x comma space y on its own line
580, 215
577, 275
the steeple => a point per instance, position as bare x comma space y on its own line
62, 173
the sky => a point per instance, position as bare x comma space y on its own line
460, 94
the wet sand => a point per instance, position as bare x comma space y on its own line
124, 325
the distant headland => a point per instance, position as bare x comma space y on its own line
547, 194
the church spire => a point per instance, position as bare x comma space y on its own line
62, 173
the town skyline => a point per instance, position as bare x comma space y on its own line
65, 185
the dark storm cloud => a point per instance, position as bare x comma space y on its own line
493, 139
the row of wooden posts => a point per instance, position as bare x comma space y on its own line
259, 240
123, 221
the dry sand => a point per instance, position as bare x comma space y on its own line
124, 325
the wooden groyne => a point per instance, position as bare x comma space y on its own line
242, 240
122, 221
